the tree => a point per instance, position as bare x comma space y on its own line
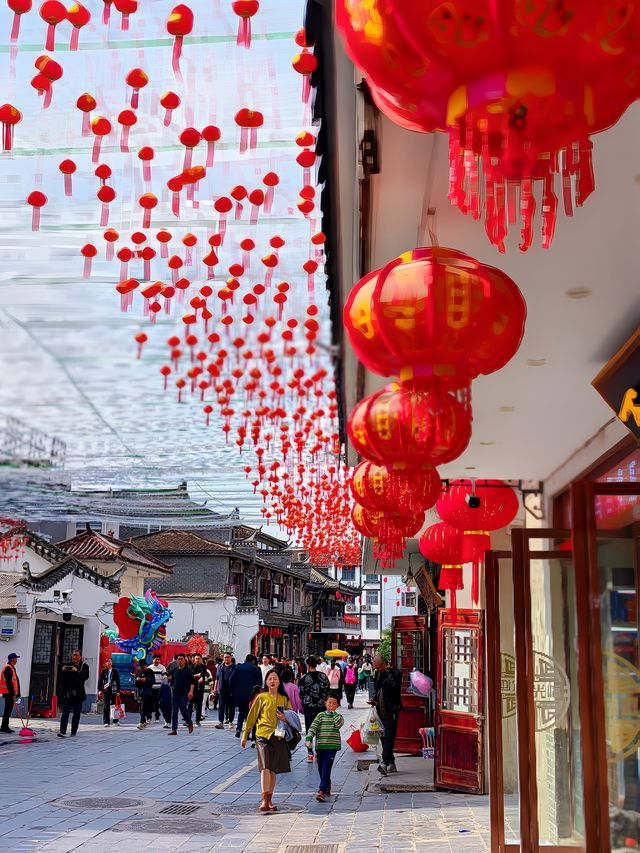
384, 649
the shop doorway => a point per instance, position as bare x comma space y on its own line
459, 695
53, 643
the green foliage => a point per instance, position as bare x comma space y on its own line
384, 649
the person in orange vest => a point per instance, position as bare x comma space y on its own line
9, 689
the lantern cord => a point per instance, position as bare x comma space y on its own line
428, 218
72, 381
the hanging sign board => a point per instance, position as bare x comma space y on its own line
618, 383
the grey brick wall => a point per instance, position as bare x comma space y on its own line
192, 574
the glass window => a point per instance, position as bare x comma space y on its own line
349, 574
408, 599
371, 596
371, 622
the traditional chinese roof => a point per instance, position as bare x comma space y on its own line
69, 566
8, 581
91, 545
282, 620
319, 580
177, 542
243, 531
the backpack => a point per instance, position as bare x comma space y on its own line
350, 677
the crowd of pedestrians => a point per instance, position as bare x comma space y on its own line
268, 695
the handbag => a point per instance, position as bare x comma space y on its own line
119, 709
371, 729
355, 741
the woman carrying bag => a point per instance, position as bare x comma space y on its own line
267, 715
350, 681
336, 678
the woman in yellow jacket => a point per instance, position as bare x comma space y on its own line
273, 753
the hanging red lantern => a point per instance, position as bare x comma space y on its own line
106, 195
179, 25
100, 127
400, 428
305, 63
78, 16
110, 236
190, 138
88, 252
519, 89
86, 103
127, 119
443, 544
270, 180
170, 101
248, 121
126, 8
137, 79
52, 13
37, 200
377, 488
435, 313
147, 202
477, 507
211, 134
245, 10
9, 118
18, 7
67, 167
146, 155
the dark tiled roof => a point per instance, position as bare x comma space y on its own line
8, 581
282, 620
319, 579
177, 542
92, 545
243, 531
70, 566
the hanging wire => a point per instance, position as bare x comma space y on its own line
428, 218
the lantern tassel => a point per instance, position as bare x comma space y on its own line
210, 153
50, 43
124, 140
244, 139
67, 185
106, 14
222, 227
475, 583
268, 200
109, 253
527, 210
85, 124
146, 172
253, 138
7, 137
175, 57
15, 28
167, 117
48, 95
75, 38
86, 272
146, 218
35, 219
175, 204
95, 156
104, 215
124, 23
549, 212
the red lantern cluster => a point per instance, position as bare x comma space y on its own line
436, 319
520, 88
12, 538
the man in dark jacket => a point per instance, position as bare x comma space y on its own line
314, 689
109, 686
243, 679
181, 680
387, 691
72, 681
200, 673
145, 680
9, 689
224, 692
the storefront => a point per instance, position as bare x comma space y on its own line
563, 677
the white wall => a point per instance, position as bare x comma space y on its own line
217, 617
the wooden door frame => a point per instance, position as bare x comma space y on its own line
443, 613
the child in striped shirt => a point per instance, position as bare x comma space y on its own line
326, 730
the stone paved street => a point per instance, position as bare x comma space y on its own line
215, 783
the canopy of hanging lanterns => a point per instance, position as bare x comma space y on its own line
233, 308
519, 87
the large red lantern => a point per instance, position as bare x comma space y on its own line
245, 10
518, 87
443, 544
399, 428
377, 488
10, 116
248, 121
52, 13
179, 25
475, 508
435, 313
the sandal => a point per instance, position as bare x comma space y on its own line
264, 804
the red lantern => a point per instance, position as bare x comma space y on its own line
170, 101
52, 13
67, 167
441, 543
18, 7
88, 252
399, 428
211, 134
126, 8
305, 63
476, 507
100, 127
78, 16
435, 313
179, 25
245, 10
86, 103
147, 202
106, 195
190, 138
146, 155
270, 180
137, 79
9, 118
377, 488
248, 121
37, 200
519, 88
127, 119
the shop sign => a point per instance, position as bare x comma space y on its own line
317, 619
618, 383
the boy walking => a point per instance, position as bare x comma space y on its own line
326, 730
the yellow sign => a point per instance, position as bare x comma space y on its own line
629, 408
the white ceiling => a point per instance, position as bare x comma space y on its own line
555, 409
